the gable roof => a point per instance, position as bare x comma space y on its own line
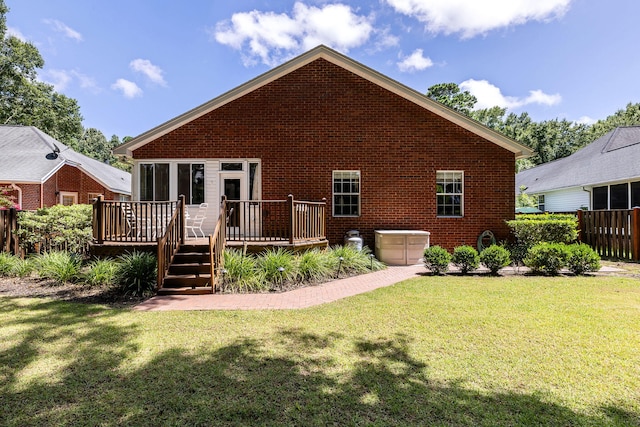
323, 52
612, 157
24, 160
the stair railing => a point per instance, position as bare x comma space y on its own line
170, 240
217, 243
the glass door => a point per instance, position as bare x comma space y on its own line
233, 185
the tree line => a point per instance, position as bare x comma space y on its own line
550, 139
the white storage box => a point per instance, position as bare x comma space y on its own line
401, 247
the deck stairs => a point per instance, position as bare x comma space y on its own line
189, 273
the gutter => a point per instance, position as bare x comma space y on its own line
19, 190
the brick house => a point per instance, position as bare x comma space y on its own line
43, 172
323, 126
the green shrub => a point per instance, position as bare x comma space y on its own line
137, 273
315, 265
582, 259
241, 273
101, 272
532, 231
8, 264
465, 258
494, 258
548, 258
348, 260
437, 259
57, 227
59, 266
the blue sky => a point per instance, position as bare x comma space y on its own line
133, 65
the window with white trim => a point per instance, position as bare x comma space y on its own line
346, 193
191, 182
541, 205
154, 182
68, 198
450, 193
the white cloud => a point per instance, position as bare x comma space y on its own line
11, 31
60, 79
153, 72
586, 120
61, 27
129, 89
86, 82
470, 18
271, 38
415, 62
489, 96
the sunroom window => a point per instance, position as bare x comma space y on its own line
191, 182
154, 182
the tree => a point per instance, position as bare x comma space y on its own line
450, 95
630, 116
26, 101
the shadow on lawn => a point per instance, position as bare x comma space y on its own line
292, 378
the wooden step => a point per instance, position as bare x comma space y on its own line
189, 268
198, 290
191, 257
186, 280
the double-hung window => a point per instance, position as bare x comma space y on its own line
346, 193
450, 193
191, 182
154, 181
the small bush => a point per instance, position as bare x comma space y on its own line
59, 266
437, 259
582, 259
137, 273
354, 261
101, 272
465, 258
494, 258
24, 267
8, 264
315, 266
548, 258
241, 273
278, 266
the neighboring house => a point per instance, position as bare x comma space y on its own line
43, 172
324, 126
603, 175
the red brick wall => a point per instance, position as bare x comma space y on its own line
321, 118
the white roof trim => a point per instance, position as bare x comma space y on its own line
521, 151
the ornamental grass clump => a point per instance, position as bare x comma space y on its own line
101, 272
465, 258
241, 273
315, 266
8, 264
582, 259
494, 258
137, 273
349, 260
59, 266
278, 266
436, 259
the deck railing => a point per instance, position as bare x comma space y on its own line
170, 240
612, 233
126, 221
275, 220
217, 242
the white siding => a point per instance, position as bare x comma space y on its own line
566, 200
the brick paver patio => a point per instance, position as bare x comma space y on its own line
298, 298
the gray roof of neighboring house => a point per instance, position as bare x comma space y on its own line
23, 159
612, 157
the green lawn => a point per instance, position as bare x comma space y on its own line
430, 351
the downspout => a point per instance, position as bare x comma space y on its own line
19, 190
590, 199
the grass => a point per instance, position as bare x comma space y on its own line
492, 351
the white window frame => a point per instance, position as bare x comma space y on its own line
72, 194
453, 173
189, 197
335, 174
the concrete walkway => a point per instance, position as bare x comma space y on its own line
299, 298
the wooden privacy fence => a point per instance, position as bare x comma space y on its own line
8, 225
612, 233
